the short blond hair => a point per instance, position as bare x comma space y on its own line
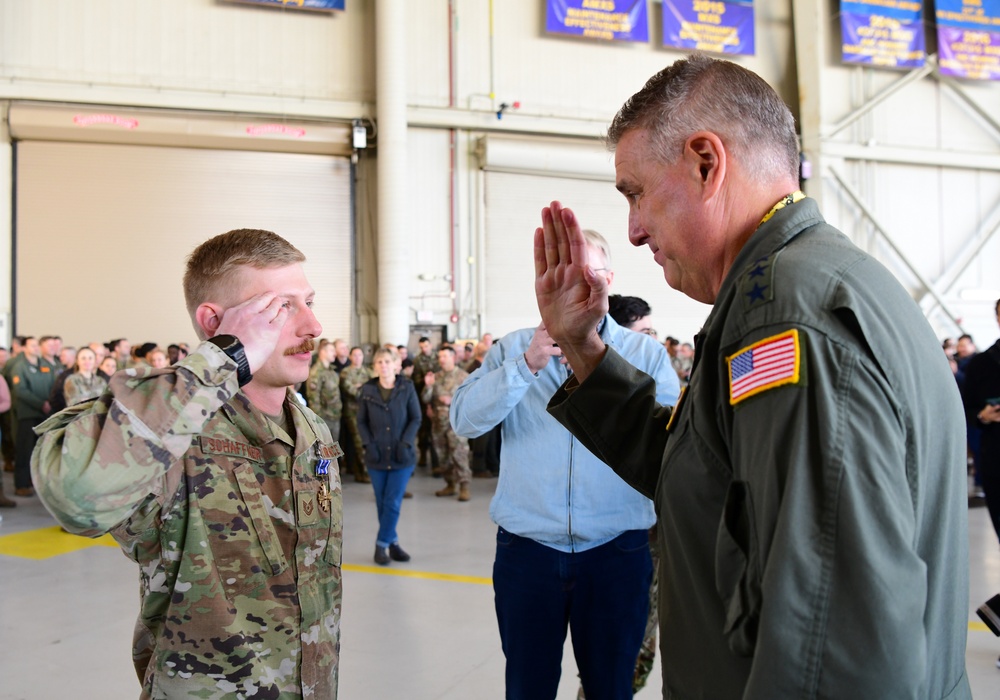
596, 240
209, 275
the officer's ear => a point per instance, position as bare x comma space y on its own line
208, 317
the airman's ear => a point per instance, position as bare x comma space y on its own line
208, 317
707, 153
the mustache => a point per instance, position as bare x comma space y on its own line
307, 345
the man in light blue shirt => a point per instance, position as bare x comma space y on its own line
572, 544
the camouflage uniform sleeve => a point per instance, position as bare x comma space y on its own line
96, 463
329, 394
312, 388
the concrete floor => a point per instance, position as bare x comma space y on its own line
423, 630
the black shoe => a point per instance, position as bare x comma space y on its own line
381, 555
396, 553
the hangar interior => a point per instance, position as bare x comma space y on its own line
407, 148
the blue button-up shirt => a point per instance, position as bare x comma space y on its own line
552, 489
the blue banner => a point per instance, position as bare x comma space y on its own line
968, 34
618, 20
323, 5
718, 26
886, 33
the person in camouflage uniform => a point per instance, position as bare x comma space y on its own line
323, 389
351, 380
423, 362
220, 485
452, 450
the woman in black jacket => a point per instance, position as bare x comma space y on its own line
388, 420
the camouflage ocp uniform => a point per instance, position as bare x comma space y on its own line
236, 532
351, 380
323, 395
452, 450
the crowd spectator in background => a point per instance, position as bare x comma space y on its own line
67, 356
31, 383
107, 368
341, 356
352, 378
157, 359
84, 383
425, 362
403, 351
323, 389
121, 350
388, 419
5, 403
51, 346
452, 450
8, 419
965, 350
981, 394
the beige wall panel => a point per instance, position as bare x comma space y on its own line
513, 207
191, 45
103, 232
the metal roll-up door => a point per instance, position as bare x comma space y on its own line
102, 232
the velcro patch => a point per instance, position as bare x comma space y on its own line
331, 451
764, 365
230, 448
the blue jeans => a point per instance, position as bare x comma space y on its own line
602, 594
389, 485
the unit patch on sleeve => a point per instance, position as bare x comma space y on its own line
764, 365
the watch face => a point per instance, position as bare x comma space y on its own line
225, 341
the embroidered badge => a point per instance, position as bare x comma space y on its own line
757, 283
330, 451
230, 448
764, 365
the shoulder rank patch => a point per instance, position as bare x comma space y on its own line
230, 448
757, 284
764, 365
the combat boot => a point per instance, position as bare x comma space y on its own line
463, 492
448, 490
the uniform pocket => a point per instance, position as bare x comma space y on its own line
334, 543
735, 570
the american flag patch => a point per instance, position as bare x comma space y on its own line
764, 365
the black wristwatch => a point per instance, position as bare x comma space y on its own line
232, 346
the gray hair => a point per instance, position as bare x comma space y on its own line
702, 93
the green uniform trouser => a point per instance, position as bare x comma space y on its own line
452, 450
351, 421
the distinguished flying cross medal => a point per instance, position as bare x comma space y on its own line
323, 497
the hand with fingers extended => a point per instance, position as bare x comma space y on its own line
572, 298
540, 350
257, 322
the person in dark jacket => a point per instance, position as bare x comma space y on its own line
388, 420
981, 394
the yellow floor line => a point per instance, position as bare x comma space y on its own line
434, 576
52, 541
48, 542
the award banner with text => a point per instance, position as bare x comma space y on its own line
885, 33
322, 5
618, 20
969, 38
718, 26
